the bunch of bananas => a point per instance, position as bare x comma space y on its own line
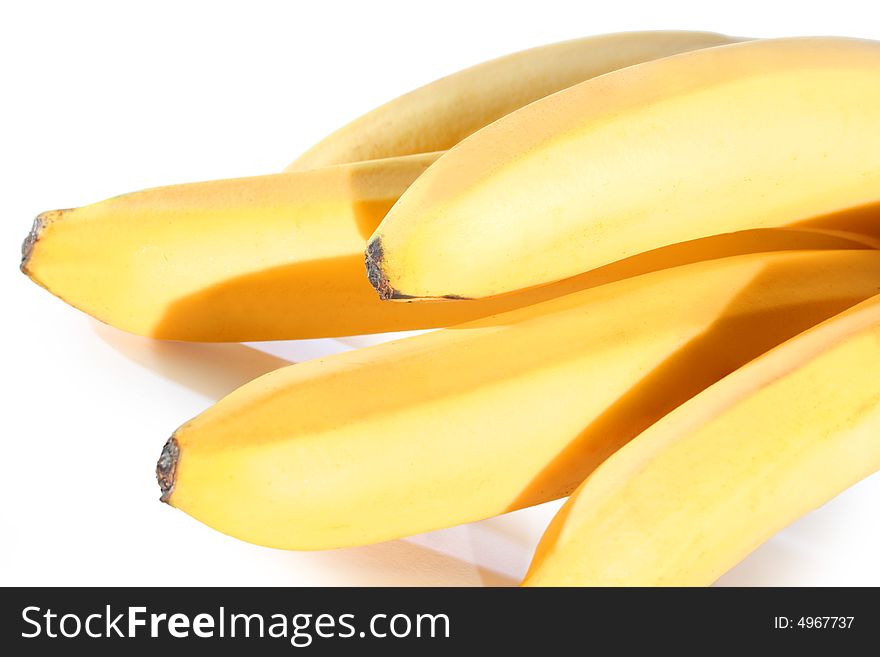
655, 259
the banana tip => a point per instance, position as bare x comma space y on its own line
166, 468
27, 247
373, 258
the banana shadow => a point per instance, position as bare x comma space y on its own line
775, 563
803, 546
738, 336
332, 297
404, 563
395, 177
369, 214
862, 221
213, 370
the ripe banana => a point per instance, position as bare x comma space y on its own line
260, 258
439, 115
490, 416
695, 493
750, 135
274, 257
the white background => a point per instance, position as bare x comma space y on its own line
105, 98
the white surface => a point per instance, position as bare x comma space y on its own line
102, 98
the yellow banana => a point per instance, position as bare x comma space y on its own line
273, 257
695, 493
750, 135
437, 116
490, 416
260, 258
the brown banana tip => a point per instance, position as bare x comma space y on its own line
27, 247
166, 468
373, 258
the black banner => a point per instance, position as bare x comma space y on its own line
433, 621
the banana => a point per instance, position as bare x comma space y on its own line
437, 116
695, 493
750, 135
275, 257
490, 416
260, 258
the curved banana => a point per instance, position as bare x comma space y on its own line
490, 416
261, 258
750, 135
695, 493
439, 115
275, 257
